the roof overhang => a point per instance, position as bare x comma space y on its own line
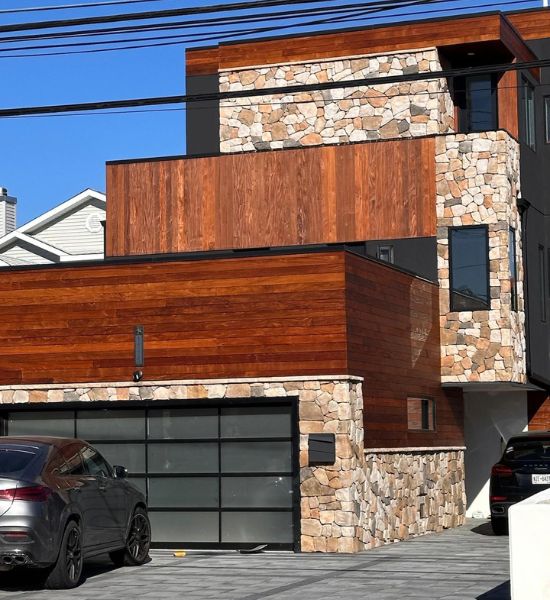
492, 386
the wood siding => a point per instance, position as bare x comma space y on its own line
538, 411
394, 343
268, 199
294, 315
385, 38
532, 24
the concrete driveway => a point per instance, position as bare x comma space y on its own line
462, 564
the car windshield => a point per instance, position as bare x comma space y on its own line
13, 461
528, 450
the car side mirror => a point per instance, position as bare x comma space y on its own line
120, 472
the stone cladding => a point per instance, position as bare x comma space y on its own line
378, 111
358, 502
412, 492
478, 183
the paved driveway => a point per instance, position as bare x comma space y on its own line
463, 564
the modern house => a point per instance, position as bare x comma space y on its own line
71, 231
314, 330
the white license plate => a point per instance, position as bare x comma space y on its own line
540, 479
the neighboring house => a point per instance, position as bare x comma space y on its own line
318, 346
72, 231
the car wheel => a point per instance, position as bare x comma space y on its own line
138, 541
500, 526
67, 571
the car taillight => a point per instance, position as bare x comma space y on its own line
498, 498
32, 493
502, 471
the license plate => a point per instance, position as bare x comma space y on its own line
540, 479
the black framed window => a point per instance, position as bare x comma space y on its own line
421, 414
542, 284
528, 93
469, 268
385, 253
547, 119
476, 97
513, 268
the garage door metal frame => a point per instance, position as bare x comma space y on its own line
195, 403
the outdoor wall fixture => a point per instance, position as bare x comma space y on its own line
139, 357
321, 449
137, 376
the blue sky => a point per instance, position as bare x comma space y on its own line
45, 160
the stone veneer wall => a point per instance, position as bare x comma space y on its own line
361, 113
412, 492
356, 503
478, 183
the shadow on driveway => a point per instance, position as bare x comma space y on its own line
501, 592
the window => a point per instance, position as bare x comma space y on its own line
421, 414
513, 268
94, 464
547, 119
476, 98
529, 113
469, 268
542, 284
385, 253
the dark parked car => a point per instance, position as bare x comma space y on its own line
523, 470
61, 503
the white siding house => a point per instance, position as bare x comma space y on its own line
69, 232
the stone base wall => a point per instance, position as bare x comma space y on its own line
411, 492
360, 501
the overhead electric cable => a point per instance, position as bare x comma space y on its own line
275, 91
72, 6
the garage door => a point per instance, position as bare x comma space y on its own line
213, 476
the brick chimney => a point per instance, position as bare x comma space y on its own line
7, 212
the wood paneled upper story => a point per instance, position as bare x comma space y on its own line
494, 27
303, 314
292, 197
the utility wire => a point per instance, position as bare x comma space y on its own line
197, 37
274, 91
71, 6
215, 8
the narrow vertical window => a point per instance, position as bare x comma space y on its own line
547, 119
421, 414
469, 268
513, 268
476, 98
529, 113
542, 284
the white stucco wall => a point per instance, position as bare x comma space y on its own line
490, 418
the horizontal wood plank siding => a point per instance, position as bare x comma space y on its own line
270, 199
394, 343
247, 317
538, 404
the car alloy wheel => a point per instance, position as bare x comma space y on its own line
139, 538
73, 555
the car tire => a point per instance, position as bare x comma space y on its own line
67, 571
500, 526
138, 542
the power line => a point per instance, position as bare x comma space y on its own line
274, 91
72, 6
196, 37
149, 15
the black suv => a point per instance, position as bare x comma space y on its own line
523, 470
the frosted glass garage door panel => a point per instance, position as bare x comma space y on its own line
57, 423
175, 492
131, 456
184, 527
257, 527
257, 492
183, 458
254, 422
111, 424
173, 423
256, 457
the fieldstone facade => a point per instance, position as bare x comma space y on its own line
360, 501
379, 111
410, 492
478, 183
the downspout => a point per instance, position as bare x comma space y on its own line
523, 206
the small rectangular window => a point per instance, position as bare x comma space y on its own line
513, 268
542, 284
385, 253
421, 414
547, 119
529, 113
469, 268
476, 99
